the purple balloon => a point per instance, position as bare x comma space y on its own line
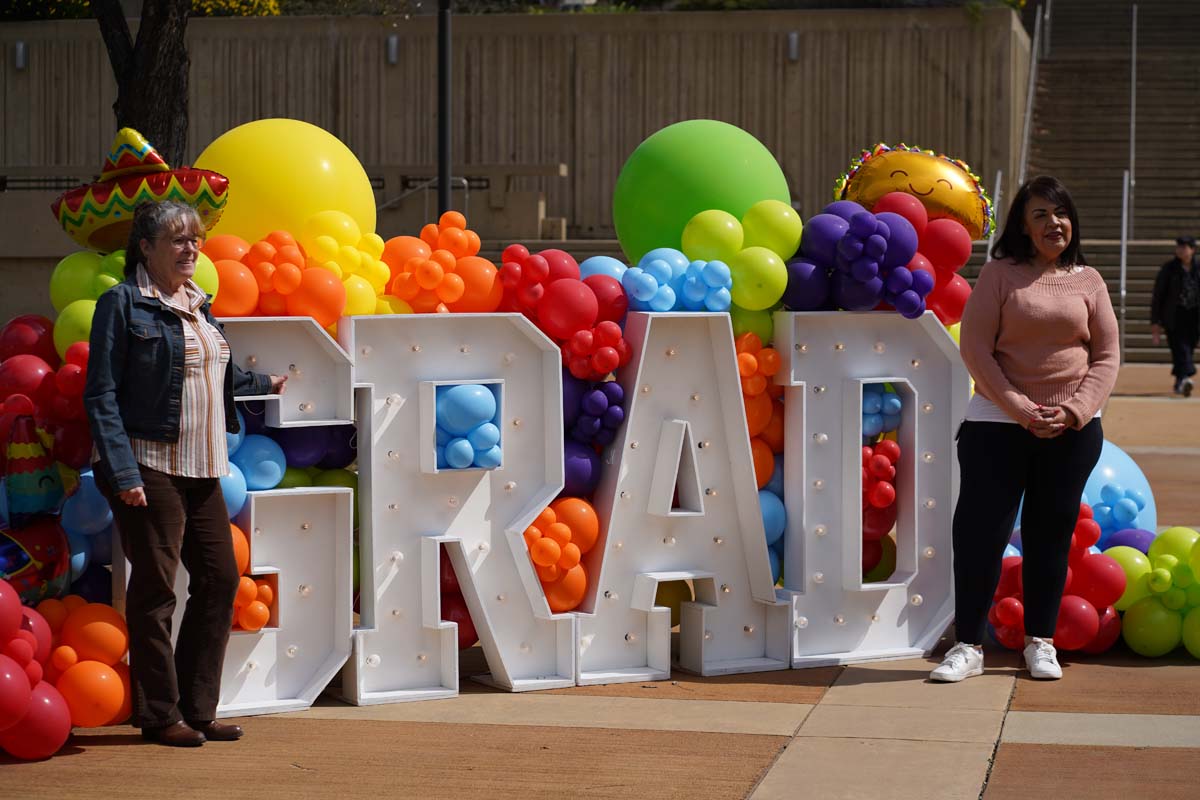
1131, 537
613, 391
581, 470
843, 208
573, 391
604, 437
876, 246
862, 225
613, 417
851, 295
902, 244
900, 279
594, 403
864, 269
820, 238
909, 304
922, 282
850, 248
343, 447
585, 428
303, 447
807, 286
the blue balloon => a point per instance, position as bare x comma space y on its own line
891, 403
716, 275
676, 260
484, 436
1115, 466
774, 515
86, 512
81, 553
602, 265
1125, 512
872, 401
872, 424
234, 440
443, 437
459, 454
102, 547
775, 485
891, 422
233, 486
488, 459
1137, 497
441, 457
1110, 493
262, 462
1096, 550
718, 300
663, 300
776, 564
1015, 539
658, 269
463, 406
1102, 514
638, 285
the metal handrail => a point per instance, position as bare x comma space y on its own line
1030, 91
1126, 189
420, 187
1133, 115
996, 199
1048, 14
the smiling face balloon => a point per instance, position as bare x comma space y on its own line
945, 186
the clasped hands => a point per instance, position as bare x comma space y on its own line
1050, 421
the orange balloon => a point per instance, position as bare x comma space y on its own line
429, 234
769, 361
559, 532
254, 616
452, 219
482, 290
580, 517
547, 517
764, 461
97, 633
545, 552
238, 292
547, 574
748, 342
287, 277
290, 254
775, 390
398, 250
320, 295
225, 246
259, 252
266, 595
73, 601
758, 412
241, 548
773, 433
451, 289
93, 692
747, 364
474, 245
247, 592
63, 658
532, 534
264, 274
570, 557
567, 592
754, 384
122, 670
429, 274
54, 611
281, 239
272, 304
454, 240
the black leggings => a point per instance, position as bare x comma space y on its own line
998, 462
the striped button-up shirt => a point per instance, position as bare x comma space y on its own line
200, 451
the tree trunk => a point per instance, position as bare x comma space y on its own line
151, 72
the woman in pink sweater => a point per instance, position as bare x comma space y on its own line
1040, 339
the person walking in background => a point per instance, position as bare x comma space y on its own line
1175, 308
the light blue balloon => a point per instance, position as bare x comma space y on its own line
718, 300
233, 486
262, 462
872, 402
872, 424
86, 512
234, 440
1125, 511
776, 564
490, 458
890, 403
81, 554
1102, 514
775, 485
677, 261
602, 265
459, 454
484, 436
102, 547
774, 515
694, 290
1110, 493
659, 270
1137, 497
463, 406
1009, 550
891, 422
442, 436
663, 300
716, 275
638, 285
1115, 466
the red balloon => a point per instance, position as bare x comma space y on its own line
34, 623
905, 205
1098, 579
42, 731
882, 494
536, 269
610, 296
70, 379
561, 264
1087, 533
889, 449
878, 522
946, 244
1106, 637
73, 444
1078, 623
1085, 511
454, 609
34, 671
1012, 638
28, 375
605, 360
1010, 577
949, 299
872, 554
29, 334
1010, 612
449, 579
10, 611
15, 698
568, 305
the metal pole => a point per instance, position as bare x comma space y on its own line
996, 196
443, 132
1030, 91
1125, 224
1133, 117
1046, 29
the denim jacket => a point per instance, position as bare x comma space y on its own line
135, 379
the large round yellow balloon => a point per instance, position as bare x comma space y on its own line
283, 171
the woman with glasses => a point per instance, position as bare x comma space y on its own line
159, 397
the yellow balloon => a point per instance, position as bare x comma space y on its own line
372, 244
390, 304
759, 278
349, 258
283, 171
712, 235
673, 594
774, 225
360, 297
954, 331
337, 225
377, 274
74, 278
206, 275
322, 248
332, 266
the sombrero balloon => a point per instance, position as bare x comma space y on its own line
944, 185
98, 215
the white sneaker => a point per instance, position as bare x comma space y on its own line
1187, 387
961, 661
1042, 660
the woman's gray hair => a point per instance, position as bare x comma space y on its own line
151, 220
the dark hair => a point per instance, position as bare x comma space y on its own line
1015, 243
1187, 241
149, 222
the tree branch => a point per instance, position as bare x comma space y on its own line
115, 30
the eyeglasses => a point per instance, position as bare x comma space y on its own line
183, 242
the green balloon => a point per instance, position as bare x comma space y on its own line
114, 264
773, 225
712, 235
206, 275
1151, 629
1191, 632
1177, 541
340, 477
1136, 567
887, 563
72, 279
761, 323
102, 284
74, 324
759, 278
684, 169
294, 477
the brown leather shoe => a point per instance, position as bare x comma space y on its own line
178, 734
218, 732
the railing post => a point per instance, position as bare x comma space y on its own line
1133, 116
1030, 91
996, 196
1046, 29
1125, 192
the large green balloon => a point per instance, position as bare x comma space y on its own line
74, 324
684, 169
294, 477
1191, 632
1136, 567
1151, 629
72, 279
1177, 541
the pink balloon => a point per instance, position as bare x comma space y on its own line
42, 731
15, 697
36, 624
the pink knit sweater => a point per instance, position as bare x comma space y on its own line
1031, 338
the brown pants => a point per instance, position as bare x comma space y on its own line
183, 519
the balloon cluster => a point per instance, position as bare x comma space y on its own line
557, 540
454, 605
1094, 591
592, 412
254, 602
1162, 601
1118, 510
666, 280
468, 432
881, 408
761, 400
441, 271
879, 463
60, 665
